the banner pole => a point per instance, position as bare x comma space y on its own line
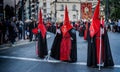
100, 46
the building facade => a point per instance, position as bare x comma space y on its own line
45, 5
54, 9
32, 7
74, 9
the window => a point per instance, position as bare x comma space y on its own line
28, 7
74, 16
74, 7
33, 10
33, 5
33, 0
44, 16
1, 10
62, 7
55, 0
61, 16
44, 4
44, 10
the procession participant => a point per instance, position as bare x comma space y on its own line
99, 52
64, 47
42, 41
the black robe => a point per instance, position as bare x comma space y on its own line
88, 32
42, 46
55, 50
92, 55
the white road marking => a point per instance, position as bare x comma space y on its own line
117, 66
50, 61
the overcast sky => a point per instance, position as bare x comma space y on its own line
10, 2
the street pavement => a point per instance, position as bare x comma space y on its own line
23, 58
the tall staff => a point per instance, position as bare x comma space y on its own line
100, 56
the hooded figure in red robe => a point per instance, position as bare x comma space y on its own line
64, 47
42, 42
97, 38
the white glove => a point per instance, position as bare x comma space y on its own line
38, 30
58, 31
71, 38
102, 31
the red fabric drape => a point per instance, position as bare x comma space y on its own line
85, 32
95, 30
95, 24
65, 47
35, 30
67, 25
40, 26
97, 41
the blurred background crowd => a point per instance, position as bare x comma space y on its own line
14, 30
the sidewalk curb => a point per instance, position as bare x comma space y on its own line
18, 43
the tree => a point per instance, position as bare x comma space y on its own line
113, 8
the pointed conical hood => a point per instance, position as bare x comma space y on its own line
66, 25
66, 17
97, 11
41, 25
40, 17
95, 24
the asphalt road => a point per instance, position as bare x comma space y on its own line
23, 58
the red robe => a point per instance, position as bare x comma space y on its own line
94, 42
85, 32
65, 47
41, 48
98, 47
